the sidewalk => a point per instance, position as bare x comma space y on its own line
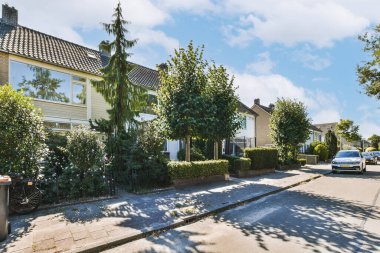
86, 226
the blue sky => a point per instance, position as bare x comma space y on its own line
302, 49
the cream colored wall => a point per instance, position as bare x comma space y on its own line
96, 105
4, 68
262, 127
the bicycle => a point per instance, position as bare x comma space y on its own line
24, 195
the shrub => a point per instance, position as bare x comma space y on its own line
312, 146
322, 151
195, 155
301, 161
242, 164
370, 149
262, 158
188, 170
85, 150
22, 133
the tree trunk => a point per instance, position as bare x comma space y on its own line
187, 149
216, 150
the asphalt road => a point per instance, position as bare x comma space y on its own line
335, 213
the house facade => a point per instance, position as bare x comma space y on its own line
57, 75
315, 135
245, 136
264, 113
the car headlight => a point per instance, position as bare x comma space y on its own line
333, 162
358, 162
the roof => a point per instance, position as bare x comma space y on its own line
245, 109
265, 108
314, 128
32, 44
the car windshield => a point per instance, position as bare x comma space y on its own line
344, 154
366, 154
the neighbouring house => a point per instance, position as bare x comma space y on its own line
315, 135
264, 113
245, 136
325, 127
57, 75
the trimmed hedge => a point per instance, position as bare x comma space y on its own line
242, 164
301, 161
262, 158
188, 170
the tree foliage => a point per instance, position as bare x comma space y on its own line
369, 72
346, 129
22, 133
331, 143
222, 105
289, 126
125, 98
322, 151
375, 140
183, 108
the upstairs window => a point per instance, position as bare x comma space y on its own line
150, 103
46, 84
243, 124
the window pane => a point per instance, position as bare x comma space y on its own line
79, 94
40, 83
79, 79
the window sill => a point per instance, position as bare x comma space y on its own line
59, 103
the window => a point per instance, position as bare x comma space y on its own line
57, 125
244, 122
46, 84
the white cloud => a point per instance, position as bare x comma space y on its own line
322, 107
263, 65
310, 60
288, 22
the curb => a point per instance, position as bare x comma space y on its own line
97, 247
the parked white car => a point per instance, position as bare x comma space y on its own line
348, 160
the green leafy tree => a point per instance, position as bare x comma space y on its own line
375, 140
22, 133
125, 98
224, 118
331, 143
347, 130
183, 108
369, 72
289, 126
43, 86
322, 151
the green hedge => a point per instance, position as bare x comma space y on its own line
236, 163
187, 170
262, 158
242, 164
301, 161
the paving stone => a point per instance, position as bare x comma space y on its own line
65, 244
98, 234
80, 235
41, 236
62, 235
93, 228
48, 244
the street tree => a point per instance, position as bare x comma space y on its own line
347, 130
369, 72
289, 126
375, 140
183, 110
223, 106
125, 98
331, 143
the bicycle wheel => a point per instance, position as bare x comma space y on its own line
24, 200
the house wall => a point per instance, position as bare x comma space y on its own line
249, 131
262, 127
4, 67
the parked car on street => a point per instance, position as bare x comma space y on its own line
376, 154
348, 160
369, 158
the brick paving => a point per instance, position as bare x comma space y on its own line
73, 227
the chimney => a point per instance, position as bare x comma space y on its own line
257, 101
271, 106
163, 67
104, 48
9, 15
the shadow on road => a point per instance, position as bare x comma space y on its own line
321, 221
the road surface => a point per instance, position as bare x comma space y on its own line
335, 213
